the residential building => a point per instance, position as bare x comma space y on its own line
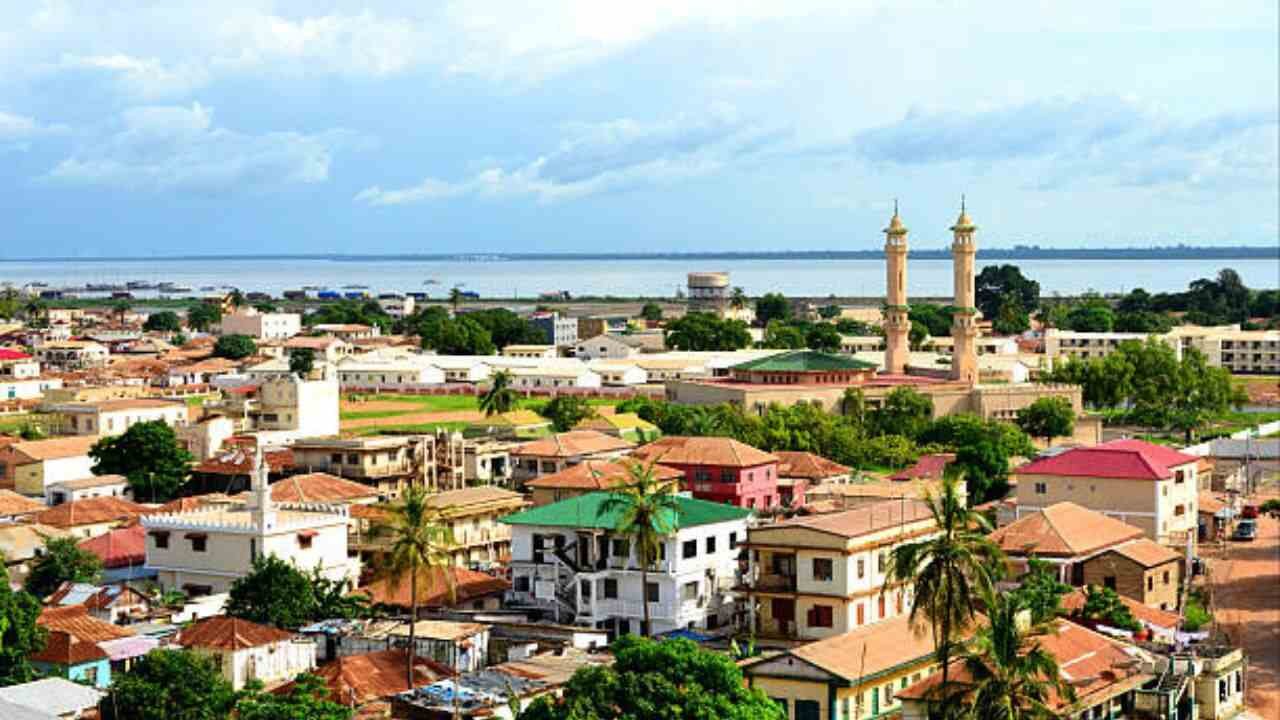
462, 369
720, 469
561, 331
1220, 683
569, 561
472, 590
591, 476
17, 365
31, 389
53, 696
85, 649
318, 488
348, 332
246, 651
604, 347
386, 463
364, 682
556, 452
817, 576
18, 508
114, 417
203, 550
798, 472
628, 426
92, 517
21, 543
1144, 570
931, 467
1246, 352
29, 466
114, 604
850, 676
708, 292
260, 325
1227, 346
486, 461
471, 515
72, 355
375, 371
539, 352
66, 656
832, 497
619, 374
554, 376
87, 487
231, 470
1147, 485
123, 552
397, 306
205, 437
326, 348
284, 403
590, 326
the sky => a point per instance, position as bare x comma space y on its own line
323, 126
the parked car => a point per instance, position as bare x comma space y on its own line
1245, 530
1249, 512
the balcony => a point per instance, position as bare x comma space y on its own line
772, 582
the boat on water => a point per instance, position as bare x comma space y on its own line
431, 281
355, 287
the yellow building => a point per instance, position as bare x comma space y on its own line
847, 677
471, 514
823, 575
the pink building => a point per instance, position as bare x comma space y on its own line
720, 469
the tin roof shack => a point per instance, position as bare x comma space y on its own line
486, 693
365, 682
460, 646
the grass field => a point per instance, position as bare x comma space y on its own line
390, 406
423, 428
15, 423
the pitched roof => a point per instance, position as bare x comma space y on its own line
239, 461
21, 541
804, 361
1129, 459
616, 421
860, 520
598, 475
59, 696
928, 466
869, 649
187, 504
55, 448
63, 648
574, 443
1073, 602
133, 404
462, 499
793, 464
8, 354
229, 633
319, 487
93, 481
91, 511
1064, 529
588, 511
354, 680
468, 585
513, 418
719, 451
11, 504
1207, 502
121, 547
14, 711
1147, 553
75, 619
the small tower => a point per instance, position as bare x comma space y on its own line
260, 505
964, 327
897, 325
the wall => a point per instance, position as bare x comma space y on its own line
31, 479
1147, 504
1132, 579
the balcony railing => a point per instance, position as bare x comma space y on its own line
772, 583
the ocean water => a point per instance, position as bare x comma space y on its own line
655, 278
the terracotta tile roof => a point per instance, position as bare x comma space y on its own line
574, 443
717, 451
1128, 459
91, 511
11, 504
358, 679
468, 585
877, 489
928, 467
21, 541
859, 521
318, 488
75, 619
1063, 530
240, 462
55, 448
1207, 502
63, 648
122, 547
792, 464
186, 504
134, 404
869, 649
1073, 602
92, 481
228, 633
1147, 553
598, 475
464, 499
312, 342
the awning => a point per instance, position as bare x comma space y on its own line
307, 533
129, 647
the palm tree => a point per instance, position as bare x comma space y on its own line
738, 298
949, 571
455, 298
1011, 675
499, 398
420, 542
647, 512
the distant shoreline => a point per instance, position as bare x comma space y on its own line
1178, 252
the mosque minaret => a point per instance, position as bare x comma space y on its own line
897, 325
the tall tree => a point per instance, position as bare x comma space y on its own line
737, 298
455, 298
1048, 418
772, 306
566, 411
20, 635
499, 398
148, 454
1040, 591
647, 514
203, 316
302, 361
275, 592
234, 347
704, 331
308, 699
651, 311
997, 284
780, 335
121, 308
420, 542
163, 321
947, 572
62, 561
823, 337
905, 412
169, 685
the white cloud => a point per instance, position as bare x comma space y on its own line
604, 157
175, 147
18, 131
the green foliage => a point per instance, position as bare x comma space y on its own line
62, 562
823, 337
148, 454
308, 699
1011, 318
1271, 506
234, 347
1092, 314
651, 311
454, 336
302, 361
1041, 592
917, 334
856, 327
982, 449
169, 685
999, 286
905, 411
1048, 418
274, 592
203, 316
10, 304
350, 312
566, 411
828, 312
1143, 321
1011, 676
772, 306
936, 319
507, 328
1104, 605
782, 336
705, 331
499, 398
163, 321
671, 679
20, 635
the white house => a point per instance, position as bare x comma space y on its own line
16, 365
260, 325
247, 651
27, 389
114, 417
604, 347
377, 370
541, 352
28, 466
619, 373
462, 368
568, 561
554, 376
397, 306
93, 486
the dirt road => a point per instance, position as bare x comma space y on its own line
1247, 606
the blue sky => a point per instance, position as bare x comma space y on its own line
154, 128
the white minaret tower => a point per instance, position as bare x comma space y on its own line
964, 327
261, 507
897, 325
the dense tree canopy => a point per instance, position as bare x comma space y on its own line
772, 306
20, 635
782, 336
163, 321
203, 316
651, 311
566, 411
671, 679
823, 337
999, 285
276, 592
705, 331
308, 699
1048, 418
149, 456
234, 347
936, 319
169, 685
62, 561
302, 361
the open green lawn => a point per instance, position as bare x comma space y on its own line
441, 403
15, 423
404, 429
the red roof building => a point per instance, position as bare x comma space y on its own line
1123, 459
119, 548
721, 469
928, 467
469, 587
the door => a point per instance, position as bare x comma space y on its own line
808, 710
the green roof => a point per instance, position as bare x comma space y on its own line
804, 361
584, 511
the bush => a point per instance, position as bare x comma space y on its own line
1195, 615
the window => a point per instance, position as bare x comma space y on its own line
1166, 577
90, 676
1110, 582
304, 540
862, 568
353, 459
199, 542
821, 616
538, 542
726, 476
733, 541
689, 591
1042, 488
522, 584
822, 569
336, 458
1151, 583
1180, 510
711, 545
162, 540
651, 593
610, 589
1180, 476
621, 548
689, 549
880, 561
